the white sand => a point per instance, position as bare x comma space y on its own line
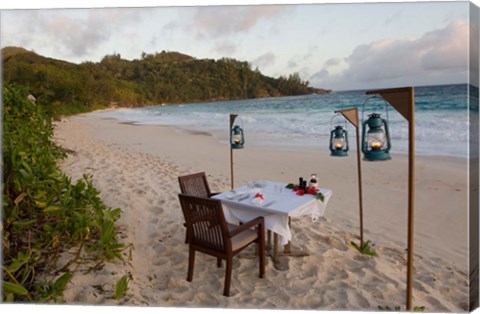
136, 169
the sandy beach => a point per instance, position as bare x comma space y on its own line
136, 168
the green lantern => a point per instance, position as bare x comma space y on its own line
339, 142
376, 143
237, 138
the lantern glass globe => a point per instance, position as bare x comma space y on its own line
237, 138
338, 143
376, 141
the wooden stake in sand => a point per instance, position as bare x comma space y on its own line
403, 100
351, 115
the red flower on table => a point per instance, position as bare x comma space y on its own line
260, 196
312, 190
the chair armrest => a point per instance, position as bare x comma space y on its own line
259, 221
213, 194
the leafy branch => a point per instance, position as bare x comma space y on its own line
366, 248
44, 213
398, 308
122, 286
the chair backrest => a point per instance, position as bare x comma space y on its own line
194, 184
205, 221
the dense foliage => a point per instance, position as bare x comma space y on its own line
44, 213
166, 77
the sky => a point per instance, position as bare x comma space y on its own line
339, 46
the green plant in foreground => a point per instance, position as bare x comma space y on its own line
53, 290
387, 308
398, 308
44, 214
366, 248
122, 286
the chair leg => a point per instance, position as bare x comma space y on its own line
186, 234
219, 262
262, 249
191, 262
228, 276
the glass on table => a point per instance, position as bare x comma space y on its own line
278, 188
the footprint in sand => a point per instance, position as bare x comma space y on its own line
156, 209
334, 242
354, 297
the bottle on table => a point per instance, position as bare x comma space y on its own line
313, 182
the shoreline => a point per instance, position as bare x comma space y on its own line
222, 139
135, 167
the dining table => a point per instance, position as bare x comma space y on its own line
277, 202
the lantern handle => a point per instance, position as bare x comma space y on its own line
232, 123
241, 122
372, 97
333, 117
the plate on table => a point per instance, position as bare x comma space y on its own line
237, 197
259, 184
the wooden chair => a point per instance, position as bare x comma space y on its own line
212, 235
195, 184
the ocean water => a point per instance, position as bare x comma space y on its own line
441, 119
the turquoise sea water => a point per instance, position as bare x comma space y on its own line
441, 119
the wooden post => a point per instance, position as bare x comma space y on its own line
403, 100
360, 193
352, 116
411, 198
232, 119
231, 167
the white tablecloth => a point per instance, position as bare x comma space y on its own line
285, 203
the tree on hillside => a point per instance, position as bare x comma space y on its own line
165, 77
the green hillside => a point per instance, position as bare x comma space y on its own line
165, 77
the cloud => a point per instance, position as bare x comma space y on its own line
170, 27
227, 20
332, 62
73, 33
320, 75
394, 17
292, 63
474, 52
78, 36
264, 60
324, 73
226, 48
446, 49
301, 60
438, 57
312, 52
